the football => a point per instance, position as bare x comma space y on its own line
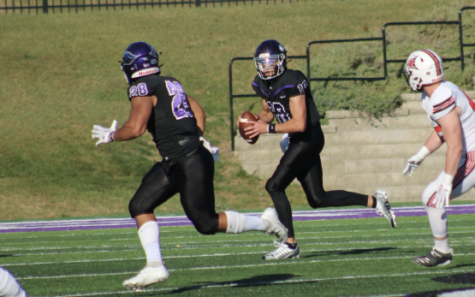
246, 118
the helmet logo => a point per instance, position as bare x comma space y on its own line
145, 72
412, 63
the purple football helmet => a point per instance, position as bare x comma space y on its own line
270, 57
139, 59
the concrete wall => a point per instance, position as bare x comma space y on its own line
363, 155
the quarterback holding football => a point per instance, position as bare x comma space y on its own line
286, 97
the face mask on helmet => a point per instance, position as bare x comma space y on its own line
423, 67
139, 59
270, 59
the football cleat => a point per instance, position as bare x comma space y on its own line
283, 251
274, 226
434, 258
383, 208
147, 276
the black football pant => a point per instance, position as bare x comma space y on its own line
302, 161
192, 177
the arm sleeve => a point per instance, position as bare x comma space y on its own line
442, 103
142, 87
298, 85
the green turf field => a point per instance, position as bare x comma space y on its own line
354, 257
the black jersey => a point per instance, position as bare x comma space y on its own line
172, 123
278, 91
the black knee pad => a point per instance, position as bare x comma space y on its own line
207, 227
136, 208
273, 186
314, 203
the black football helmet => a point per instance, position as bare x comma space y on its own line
270, 54
139, 59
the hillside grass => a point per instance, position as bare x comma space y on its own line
60, 76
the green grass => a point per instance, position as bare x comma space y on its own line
357, 257
60, 76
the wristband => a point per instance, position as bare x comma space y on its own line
448, 179
271, 128
423, 152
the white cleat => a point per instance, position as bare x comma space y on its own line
274, 226
147, 276
283, 251
383, 208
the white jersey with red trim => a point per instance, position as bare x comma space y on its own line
445, 98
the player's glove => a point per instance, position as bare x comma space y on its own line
104, 134
441, 198
284, 143
212, 149
415, 161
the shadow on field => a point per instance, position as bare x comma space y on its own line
462, 292
462, 265
350, 252
461, 278
4, 256
261, 280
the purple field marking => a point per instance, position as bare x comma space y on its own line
310, 215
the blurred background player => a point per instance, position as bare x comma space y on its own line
286, 97
451, 113
9, 287
176, 122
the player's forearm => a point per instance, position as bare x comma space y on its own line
452, 160
128, 132
454, 153
266, 117
291, 126
433, 142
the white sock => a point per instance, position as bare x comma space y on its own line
149, 235
9, 287
442, 245
438, 224
253, 224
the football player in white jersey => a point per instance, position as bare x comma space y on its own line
451, 113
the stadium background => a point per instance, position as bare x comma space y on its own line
60, 76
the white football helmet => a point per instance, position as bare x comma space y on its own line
423, 67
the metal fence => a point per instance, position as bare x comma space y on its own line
386, 61
60, 6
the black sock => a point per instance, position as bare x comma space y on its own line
374, 202
291, 245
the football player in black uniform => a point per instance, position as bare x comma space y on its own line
176, 122
286, 97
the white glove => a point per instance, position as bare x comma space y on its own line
415, 161
284, 143
212, 149
441, 198
104, 134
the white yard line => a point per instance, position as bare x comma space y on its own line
339, 259
279, 282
